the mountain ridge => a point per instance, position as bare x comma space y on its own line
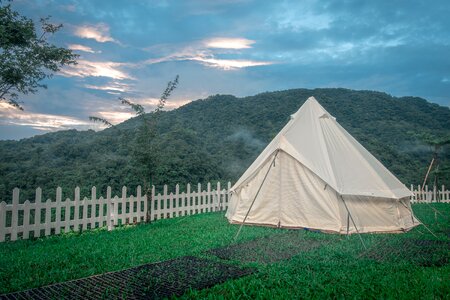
217, 138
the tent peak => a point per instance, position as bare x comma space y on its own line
314, 108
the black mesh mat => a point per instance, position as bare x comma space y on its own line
268, 249
151, 281
425, 253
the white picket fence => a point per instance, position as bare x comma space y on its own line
429, 196
19, 220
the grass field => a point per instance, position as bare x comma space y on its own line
411, 265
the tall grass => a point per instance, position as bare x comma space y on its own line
335, 270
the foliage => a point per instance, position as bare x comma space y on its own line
100, 120
217, 139
26, 57
145, 151
138, 109
336, 269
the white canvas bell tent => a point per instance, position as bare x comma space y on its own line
314, 174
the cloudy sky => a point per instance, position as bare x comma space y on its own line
240, 47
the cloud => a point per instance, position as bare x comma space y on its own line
46, 122
229, 43
150, 103
77, 47
211, 61
230, 64
86, 68
111, 88
98, 32
116, 112
377, 45
207, 52
115, 117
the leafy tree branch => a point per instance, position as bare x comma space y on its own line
27, 58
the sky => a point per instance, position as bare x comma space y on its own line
132, 49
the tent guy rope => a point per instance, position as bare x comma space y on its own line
267, 173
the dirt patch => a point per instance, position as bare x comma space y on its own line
427, 253
151, 281
268, 249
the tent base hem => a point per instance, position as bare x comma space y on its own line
395, 230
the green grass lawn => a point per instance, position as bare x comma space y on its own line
338, 269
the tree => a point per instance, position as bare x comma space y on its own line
26, 57
146, 152
436, 143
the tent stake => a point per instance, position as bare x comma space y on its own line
348, 223
353, 221
257, 193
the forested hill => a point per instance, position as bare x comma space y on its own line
217, 138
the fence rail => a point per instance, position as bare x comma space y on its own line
37, 218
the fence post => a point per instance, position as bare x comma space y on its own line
163, 202
228, 195
129, 215
67, 215
124, 206
115, 202
188, 199
2, 220
58, 210
76, 211
443, 198
199, 197
139, 213
148, 204
48, 217
37, 212
152, 205
85, 204
93, 206
26, 220
208, 197
435, 199
176, 205
109, 209
15, 214
146, 208
219, 202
